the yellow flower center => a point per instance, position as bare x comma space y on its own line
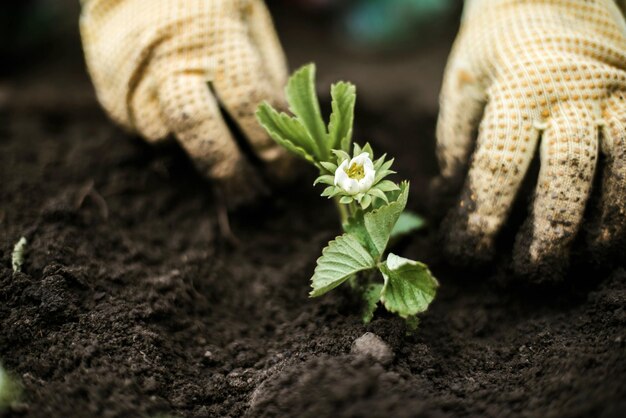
356, 171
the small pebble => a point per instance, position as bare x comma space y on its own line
372, 345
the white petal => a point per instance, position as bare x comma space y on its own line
362, 159
366, 182
351, 186
340, 173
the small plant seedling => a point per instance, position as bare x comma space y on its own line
372, 207
17, 256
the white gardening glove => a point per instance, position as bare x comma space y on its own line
151, 62
547, 74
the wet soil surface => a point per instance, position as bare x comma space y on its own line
131, 303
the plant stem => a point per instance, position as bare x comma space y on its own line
353, 208
343, 211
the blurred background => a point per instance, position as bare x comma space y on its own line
393, 49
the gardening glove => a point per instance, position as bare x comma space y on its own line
165, 67
524, 70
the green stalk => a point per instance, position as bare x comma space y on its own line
353, 208
343, 211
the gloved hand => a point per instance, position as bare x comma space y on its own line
151, 62
547, 74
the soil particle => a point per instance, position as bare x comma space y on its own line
371, 345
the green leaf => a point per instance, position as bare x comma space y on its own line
373, 229
328, 191
379, 162
387, 186
287, 132
329, 166
394, 194
10, 390
342, 116
386, 165
368, 148
384, 170
371, 295
407, 222
331, 191
325, 179
379, 194
303, 103
356, 227
346, 200
340, 260
409, 286
341, 155
366, 201
380, 222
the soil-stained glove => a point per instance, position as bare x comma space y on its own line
547, 74
152, 61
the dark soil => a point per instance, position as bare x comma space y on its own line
131, 303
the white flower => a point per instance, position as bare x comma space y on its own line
356, 175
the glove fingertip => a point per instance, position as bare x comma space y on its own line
538, 261
467, 245
282, 167
242, 188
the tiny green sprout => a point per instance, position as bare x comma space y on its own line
9, 390
371, 207
17, 256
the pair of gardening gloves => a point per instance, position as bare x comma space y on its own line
520, 70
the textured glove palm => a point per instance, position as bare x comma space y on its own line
523, 71
151, 62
